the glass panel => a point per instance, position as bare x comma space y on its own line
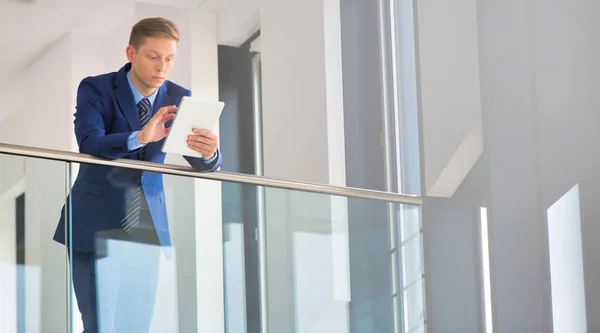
141, 258
240, 249
329, 264
33, 267
411, 240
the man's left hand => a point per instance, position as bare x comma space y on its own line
204, 142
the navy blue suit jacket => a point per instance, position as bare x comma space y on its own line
105, 117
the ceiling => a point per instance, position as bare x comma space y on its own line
29, 27
37, 24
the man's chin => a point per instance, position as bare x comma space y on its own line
154, 83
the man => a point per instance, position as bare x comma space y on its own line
119, 219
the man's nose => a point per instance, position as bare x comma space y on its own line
161, 66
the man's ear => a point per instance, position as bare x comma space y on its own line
130, 52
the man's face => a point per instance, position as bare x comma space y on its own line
152, 62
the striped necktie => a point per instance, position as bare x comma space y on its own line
132, 216
144, 114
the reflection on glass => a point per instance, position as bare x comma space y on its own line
328, 264
134, 253
33, 268
235, 278
115, 250
327, 257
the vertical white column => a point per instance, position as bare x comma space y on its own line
209, 220
302, 90
303, 140
8, 266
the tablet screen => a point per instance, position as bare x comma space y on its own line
191, 113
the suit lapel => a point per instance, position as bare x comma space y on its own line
125, 99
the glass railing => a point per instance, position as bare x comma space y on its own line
205, 252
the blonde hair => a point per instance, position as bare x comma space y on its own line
156, 27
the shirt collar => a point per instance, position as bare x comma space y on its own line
137, 96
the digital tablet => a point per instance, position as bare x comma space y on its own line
191, 113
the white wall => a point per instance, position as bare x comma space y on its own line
115, 43
44, 113
13, 93
448, 75
510, 127
540, 135
238, 20
448, 58
565, 69
451, 263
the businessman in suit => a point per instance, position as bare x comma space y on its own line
119, 220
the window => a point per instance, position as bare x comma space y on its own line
485, 265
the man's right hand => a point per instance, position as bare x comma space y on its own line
155, 130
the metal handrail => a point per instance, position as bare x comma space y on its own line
177, 170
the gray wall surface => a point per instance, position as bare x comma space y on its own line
541, 137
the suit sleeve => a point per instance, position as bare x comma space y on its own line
90, 129
202, 164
